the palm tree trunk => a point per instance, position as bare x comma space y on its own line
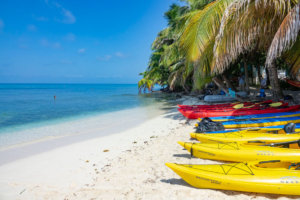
220, 84
258, 74
246, 75
228, 83
274, 82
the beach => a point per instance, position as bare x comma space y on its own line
125, 165
91, 99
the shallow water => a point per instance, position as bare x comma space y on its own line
30, 111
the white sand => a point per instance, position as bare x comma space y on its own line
133, 168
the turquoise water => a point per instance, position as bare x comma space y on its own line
24, 105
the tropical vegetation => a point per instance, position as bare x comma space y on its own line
208, 40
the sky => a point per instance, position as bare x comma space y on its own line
76, 41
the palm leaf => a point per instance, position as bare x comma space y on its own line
286, 35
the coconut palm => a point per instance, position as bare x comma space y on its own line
207, 36
271, 26
181, 71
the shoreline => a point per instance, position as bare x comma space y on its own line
126, 165
105, 123
56, 166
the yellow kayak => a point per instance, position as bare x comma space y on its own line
253, 130
260, 122
245, 136
241, 152
274, 177
219, 119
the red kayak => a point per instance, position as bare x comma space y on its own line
227, 105
294, 83
254, 106
201, 114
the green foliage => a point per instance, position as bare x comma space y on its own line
206, 38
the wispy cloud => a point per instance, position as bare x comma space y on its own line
1, 25
109, 57
104, 58
70, 37
56, 45
66, 62
31, 27
81, 51
23, 46
40, 18
46, 43
119, 54
67, 15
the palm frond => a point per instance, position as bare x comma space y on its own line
247, 25
286, 35
202, 28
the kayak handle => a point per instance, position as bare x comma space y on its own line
270, 161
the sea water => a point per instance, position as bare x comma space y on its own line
39, 107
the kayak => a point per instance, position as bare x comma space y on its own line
268, 129
241, 152
294, 83
219, 98
274, 177
202, 114
237, 104
258, 116
240, 107
246, 137
261, 122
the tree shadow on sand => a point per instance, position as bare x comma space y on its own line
255, 195
229, 193
183, 156
176, 181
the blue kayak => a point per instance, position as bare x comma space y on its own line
268, 127
254, 116
260, 122
252, 121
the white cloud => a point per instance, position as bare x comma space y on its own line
56, 45
46, 43
82, 50
70, 37
31, 27
41, 19
65, 61
1, 24
68, 17
104, 58
23, 46
120, 54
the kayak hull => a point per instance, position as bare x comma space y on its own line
261, 122
268, 129
245, 137
237, 152
246, 177
258, 116
202, 114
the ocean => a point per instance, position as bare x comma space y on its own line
28, 110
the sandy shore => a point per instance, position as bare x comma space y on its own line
126, 165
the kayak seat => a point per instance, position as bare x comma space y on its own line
290, 128
295, 166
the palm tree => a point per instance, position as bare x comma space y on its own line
205, 37
271, 26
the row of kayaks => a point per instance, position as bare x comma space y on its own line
236, 109
265, 159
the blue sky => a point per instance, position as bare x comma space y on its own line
73, 41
